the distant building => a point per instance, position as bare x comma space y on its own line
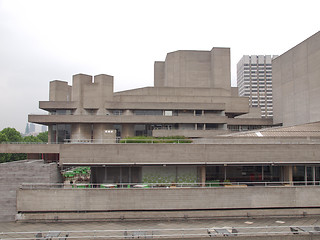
44, 128
27, 131
32, 128
254, 77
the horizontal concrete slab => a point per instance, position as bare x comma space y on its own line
29, 148
198, 154
215, 198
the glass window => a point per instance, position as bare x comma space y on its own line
60, 133
148, 112
117, 112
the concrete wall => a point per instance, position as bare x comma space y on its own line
215, 198
159, 73
59, 91
13, 174
204, 69
196, 154
220, 68
296, 85
175, 91
91, 95
219, 151
137, 119
29, 148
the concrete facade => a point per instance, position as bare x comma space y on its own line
192, 96
208, 69
192, 92
296, 84
191, 154
56, 203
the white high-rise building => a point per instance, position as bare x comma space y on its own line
254, 78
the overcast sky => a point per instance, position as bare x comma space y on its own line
44, 40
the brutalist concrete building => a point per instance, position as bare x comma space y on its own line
259, 172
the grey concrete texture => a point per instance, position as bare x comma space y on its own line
157, 199
207, 69
29, 148
180, 228
189, 153
296, 85
226, 151
171, 215
50, 119
13, 174
175, 91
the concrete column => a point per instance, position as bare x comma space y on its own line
49, 134
287, 174
203, 176
79, 82
127, 130
81, 132
127, 112
104, 91
104, 133
59, 91
305, 175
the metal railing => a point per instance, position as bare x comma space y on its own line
23, 143
111, 141
124, 140
178, 233
165, 185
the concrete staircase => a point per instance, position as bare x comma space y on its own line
13, 174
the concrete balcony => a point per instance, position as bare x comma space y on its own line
188, 153
29, 148
250, 121
165, 106
138, 203
138, 119
252, 153
52, 105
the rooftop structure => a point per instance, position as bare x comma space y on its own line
192, 94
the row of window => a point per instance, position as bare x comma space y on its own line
260, 64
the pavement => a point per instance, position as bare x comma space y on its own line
121, 229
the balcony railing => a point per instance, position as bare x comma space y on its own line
124, 140
211, 184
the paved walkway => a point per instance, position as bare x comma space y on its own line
124, 228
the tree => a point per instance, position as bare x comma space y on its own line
3, 138
12, 134
31, 138
43, 137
